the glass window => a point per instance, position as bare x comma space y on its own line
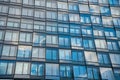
6, 68
75, 29
63, 28
38, 39
87, 31
96, 19
107, 21
115, 11
37, 69
64, 41
83, 1
83, 8
88, 43
77, 56
74, 17
115, 59
79, 71
27, 12
38, 53
100, 44
98, 32
2, 21
117, 74
90, 57
93, 1
24, 51
114, 2
3, 9
1, 35
39, 26
39, 14
22, 68
65, 71
9, 50
51, 15
39, 2
103, 1
51, 54
112, 45
52, 69
51, 3
93, 73
64, 55
116, 21
110, 33
73, 7
103, 58
105, 10
28, 2
106, 73
62, 16
26, 24
13, 23
62, 5
16, 1
85, 18
94, 9
14, 10
51, 27
11, 36
25, 37
51, 40
118, 33
76, 42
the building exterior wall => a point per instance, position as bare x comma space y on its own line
60, 39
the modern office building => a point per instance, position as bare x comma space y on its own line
60, 39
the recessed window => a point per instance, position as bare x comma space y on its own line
9, 50
64, 55
39, 39
37, 69
6, 68
38, 53
77, 56
52, 69
24, 52
25, 37
22, 68
51, 54
91, 57
106, 73
76, 42
65, 71
11, 36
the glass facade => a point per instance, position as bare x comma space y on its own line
60, 39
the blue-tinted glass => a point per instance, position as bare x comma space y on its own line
64, 41
73, 7
40, 69
109, 32
34, 69
51, 54
84, 18
105, 10
79, 71
54, 55
77, 56
37, 69
62, 71
3, 68
114, 2
74, 56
